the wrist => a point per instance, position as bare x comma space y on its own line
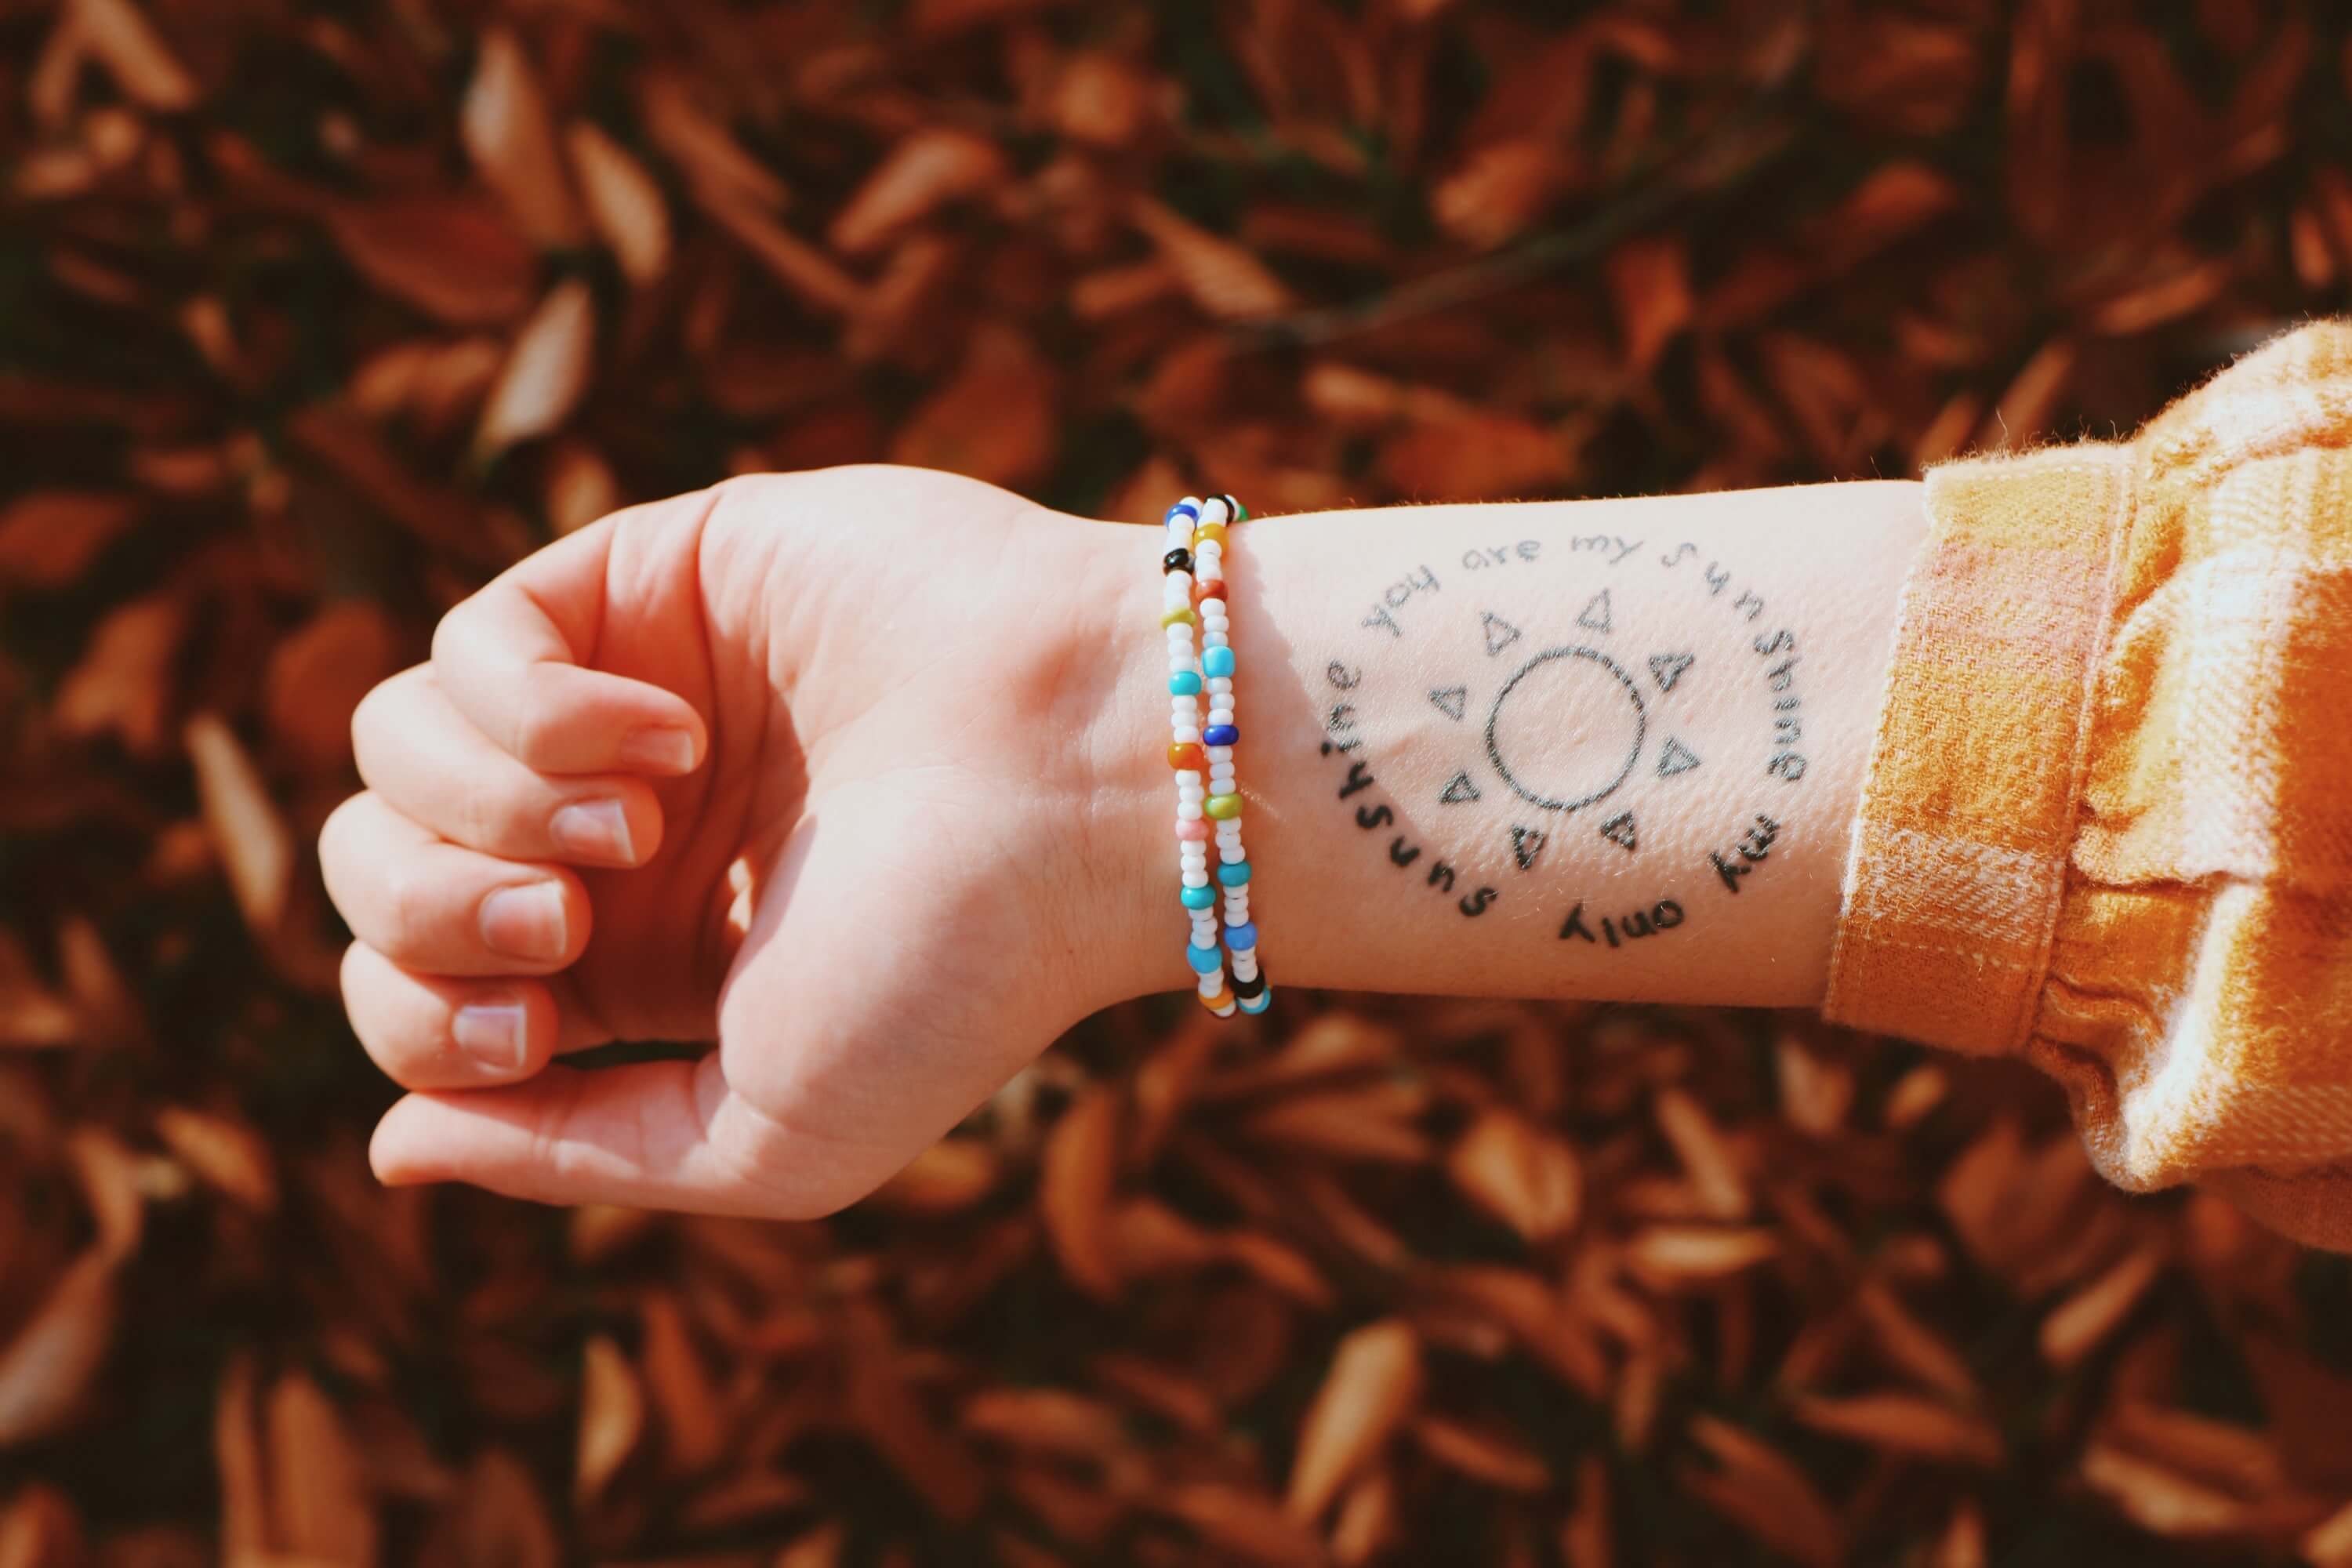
1129, 943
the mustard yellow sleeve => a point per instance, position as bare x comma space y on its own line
2107, 819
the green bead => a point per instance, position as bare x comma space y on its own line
1223, 806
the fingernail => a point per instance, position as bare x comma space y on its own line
659, 751
525, 923
491, 1032
593, 830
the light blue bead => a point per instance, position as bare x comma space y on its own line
1217, 660
1235, 875
1204, 960
1198, 897
1243, 937
1184, 683
1259, 1002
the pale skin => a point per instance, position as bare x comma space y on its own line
859, 778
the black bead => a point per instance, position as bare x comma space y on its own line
1233, 509
1246, 989
1176, 561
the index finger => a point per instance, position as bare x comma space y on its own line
510, 659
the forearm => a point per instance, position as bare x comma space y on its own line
1599, 748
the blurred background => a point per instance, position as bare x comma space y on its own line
313, 316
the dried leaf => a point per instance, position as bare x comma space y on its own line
255, 847
624, 201
1074, 1186
453, 257
1671, 1258
320, 1508
1371, 1387
612, 1418
1520, 1175
692, 1418
924, 171
2083, 1321
120, 38
546, 371
508, 130
1902, 1424
1224, 279
994, 421
49, 538
318, 674
225, 1153
45, 1369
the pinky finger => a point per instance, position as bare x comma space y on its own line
434, 1032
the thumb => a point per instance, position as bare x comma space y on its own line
511, 657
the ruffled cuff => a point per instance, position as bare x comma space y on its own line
1968, 807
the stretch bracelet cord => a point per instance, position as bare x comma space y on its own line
1208, 800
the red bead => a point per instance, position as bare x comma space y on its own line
1187, 754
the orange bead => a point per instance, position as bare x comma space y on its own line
1220, 1004
1187, 755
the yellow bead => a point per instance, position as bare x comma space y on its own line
1182, 613
1209, 530
1221, 806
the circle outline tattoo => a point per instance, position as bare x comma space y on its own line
1640, 727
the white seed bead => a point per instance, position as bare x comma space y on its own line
1246, 965
1221, 713
1229, 831
1214, 510
1232, 854
1189, 810
1186, 732
1221, 686
1223, 777
1214, 639
1214, 604
1211, 984
1188, 777
1196, 878
1192, 794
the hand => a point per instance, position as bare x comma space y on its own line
799, 766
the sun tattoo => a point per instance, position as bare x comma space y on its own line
1578, 686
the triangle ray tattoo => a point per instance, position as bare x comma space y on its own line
1526, 843
1452, 701
1675, 758
1459, 789
1595, 616
1665, 669
1500, 633
1619, 829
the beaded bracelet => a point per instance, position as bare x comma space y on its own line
1202, 754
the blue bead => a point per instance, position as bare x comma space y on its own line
1221, 735
1182, 509
1243, 937
1217, 660
1184, 683
1235, 875
1198, 897
1257, 1004
1204, 960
